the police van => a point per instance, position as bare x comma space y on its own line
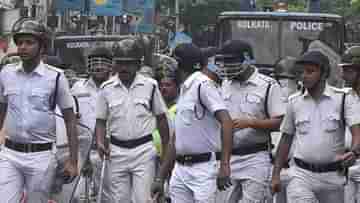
274, 35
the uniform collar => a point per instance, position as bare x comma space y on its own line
327, 91
253, 79
194, 77
138, 81
40, 68
91, 83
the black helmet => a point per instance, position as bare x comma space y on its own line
234, 57
317, 58
351, 57
54, 61
187, 55
27, 26
129, 50
165, 66
99, 60
286, 68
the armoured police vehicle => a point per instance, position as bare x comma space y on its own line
274, 35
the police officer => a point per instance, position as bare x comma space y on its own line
99, 66
201, 120
30, 90
129, 107
287, 75
256, 106
351, 74
316, 117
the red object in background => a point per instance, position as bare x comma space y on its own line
4, 45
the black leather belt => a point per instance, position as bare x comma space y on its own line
245, 150
27, 147
318, 168
193, 158
131, 143
242, 151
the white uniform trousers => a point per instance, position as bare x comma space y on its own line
310, 187
280, 197
194, 183
30, 172
131, 172
352, 189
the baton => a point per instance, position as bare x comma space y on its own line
102, 176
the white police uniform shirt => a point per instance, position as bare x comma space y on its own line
86, 93
318, 129
194, 135
128, 111
247, 100
29, 118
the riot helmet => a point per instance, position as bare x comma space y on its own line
351, 57
165, 66
233, 58
99, 61
188, 56
28, 26
350, 63
208, 60
128, 50
54, 61
316, 58
287, 75
285, 68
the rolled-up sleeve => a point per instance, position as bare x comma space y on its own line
288, 123
276, 102
211, 97
101, 106
2, 95
352, 110
158, 102
64, 98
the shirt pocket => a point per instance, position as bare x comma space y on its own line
253, 104
13, 96
116, 108
331, 123
142, 107
302, 125
39, 99
186, 113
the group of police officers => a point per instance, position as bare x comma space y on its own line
210, 117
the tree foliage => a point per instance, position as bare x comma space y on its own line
200, 15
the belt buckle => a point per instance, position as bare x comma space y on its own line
28, 147
187, 160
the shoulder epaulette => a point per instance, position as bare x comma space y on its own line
9, 66
267, 79
53, 68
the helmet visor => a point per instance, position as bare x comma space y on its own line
99, 65
229, 68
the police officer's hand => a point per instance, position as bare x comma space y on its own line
102, 150
241, 123
157, 188
348, 159
223, 180
275, 184
70, 171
